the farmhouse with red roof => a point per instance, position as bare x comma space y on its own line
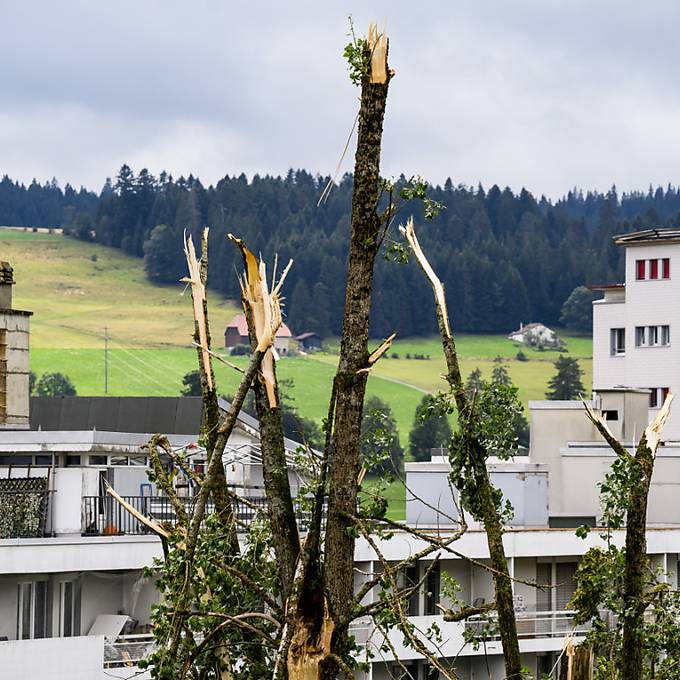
236, 333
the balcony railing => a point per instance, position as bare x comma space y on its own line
103, 516
530, 624
127, 650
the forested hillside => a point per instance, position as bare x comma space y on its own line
504, 257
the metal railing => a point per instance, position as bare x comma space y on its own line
104, 516
127, 650
530, 624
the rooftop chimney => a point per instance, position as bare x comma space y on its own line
14, 373
6, 283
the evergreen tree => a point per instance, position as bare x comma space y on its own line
499, 374
380, 448
509, 257
474, 383
429, 431
160, 255
577, 310
192, 384
566, 383
54, 385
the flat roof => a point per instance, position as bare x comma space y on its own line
647, 236
606, 286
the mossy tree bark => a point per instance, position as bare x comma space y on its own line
350, 380
279, 499
636, 563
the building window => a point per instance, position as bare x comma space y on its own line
652, 336
33, 610
69, 609
653, 269
432, 591
665, 335
610, 415
410, 580
657, 396
618, 341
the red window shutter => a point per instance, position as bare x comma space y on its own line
640, 269
666, 268
654, 269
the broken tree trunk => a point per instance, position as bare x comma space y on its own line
274, 466
642, 467
198, 278
477, 462
350, 379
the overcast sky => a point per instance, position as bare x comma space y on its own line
543, 94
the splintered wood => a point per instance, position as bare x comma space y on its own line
653, 431
146, 521
263, 306
198, 297
409, 233
377, 43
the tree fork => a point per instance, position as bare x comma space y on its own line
350, 382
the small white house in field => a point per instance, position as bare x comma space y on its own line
535, 335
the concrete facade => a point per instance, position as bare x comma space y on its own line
649, 300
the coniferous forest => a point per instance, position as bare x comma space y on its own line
504, 257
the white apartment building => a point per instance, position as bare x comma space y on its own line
634, 323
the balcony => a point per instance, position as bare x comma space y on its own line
530, 624
537, 632
103, 516
127, 650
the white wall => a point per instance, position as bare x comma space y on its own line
647, 303
67, 501
76, 658
100, 594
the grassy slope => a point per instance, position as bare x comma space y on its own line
75, 289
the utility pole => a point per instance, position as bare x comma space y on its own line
106, 360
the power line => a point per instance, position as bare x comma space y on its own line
163, 388
106, 360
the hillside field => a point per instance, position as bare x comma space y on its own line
76, 289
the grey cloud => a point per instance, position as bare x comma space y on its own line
541, 94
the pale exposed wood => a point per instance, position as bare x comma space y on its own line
264, 306
377, 43
654, 429
154, 526
437, 286
220, 359
377, 353
307, 650
198, 297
